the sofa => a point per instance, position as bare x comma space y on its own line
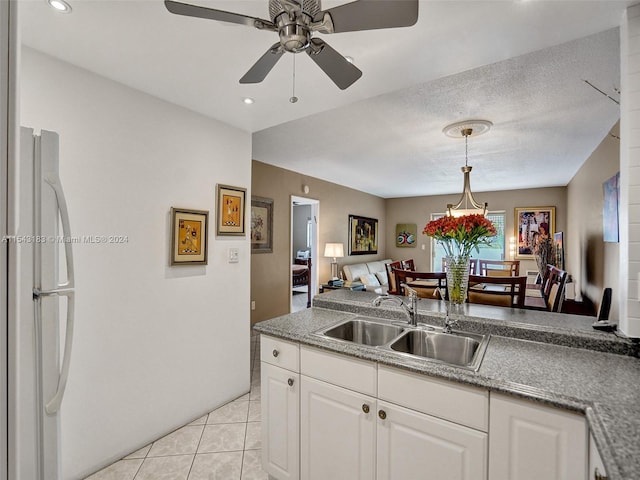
373, 275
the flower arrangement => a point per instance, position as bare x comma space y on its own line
460, 235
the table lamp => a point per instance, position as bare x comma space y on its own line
334, 250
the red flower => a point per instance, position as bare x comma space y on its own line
459, 235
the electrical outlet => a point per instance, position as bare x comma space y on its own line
253, 304
423, 246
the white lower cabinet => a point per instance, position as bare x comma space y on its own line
337, 432
415, 446
280, 404
528, 441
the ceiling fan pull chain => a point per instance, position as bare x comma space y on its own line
293, 98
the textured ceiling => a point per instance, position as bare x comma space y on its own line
547, 121
383, 134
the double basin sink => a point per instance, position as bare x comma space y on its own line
460, 349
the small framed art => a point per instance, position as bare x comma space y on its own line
231, 210
189, 236
261, 225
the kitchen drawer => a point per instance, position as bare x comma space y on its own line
448, 400
282, 353
348, 372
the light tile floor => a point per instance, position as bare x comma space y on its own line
222, 445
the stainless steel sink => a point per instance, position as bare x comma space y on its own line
461, 349
364, 332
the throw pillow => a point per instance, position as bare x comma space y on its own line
370, 280
382, 277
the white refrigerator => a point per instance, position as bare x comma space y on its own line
41, 268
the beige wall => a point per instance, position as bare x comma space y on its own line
270, 272
419, 209
593, 263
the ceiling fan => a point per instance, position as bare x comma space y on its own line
296, 22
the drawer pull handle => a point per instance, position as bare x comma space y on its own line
382, 414
290, 382
275, 353
598, 476
365, 408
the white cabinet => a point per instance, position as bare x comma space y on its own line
529, 441
351, 435
337, 432
596, 467
414, 446
280, 404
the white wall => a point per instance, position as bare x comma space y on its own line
630, 172
156, 346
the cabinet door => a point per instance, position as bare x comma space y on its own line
415, 446
529, 441
280, 403
337, 432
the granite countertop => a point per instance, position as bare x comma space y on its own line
583, 378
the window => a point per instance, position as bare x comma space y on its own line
495, 251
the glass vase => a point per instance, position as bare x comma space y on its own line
457, 278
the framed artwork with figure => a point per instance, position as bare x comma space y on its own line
189, 236
531, 223
231, 210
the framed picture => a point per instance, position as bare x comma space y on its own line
558, 242
406, 235
530, 222
261, 225
231, 210
189, 236
610, 227
363, 235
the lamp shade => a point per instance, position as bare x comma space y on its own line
334, 250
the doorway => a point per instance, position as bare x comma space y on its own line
304, 244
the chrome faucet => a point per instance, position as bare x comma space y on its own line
448, 323
410, 310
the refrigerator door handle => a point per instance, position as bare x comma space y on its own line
64, 289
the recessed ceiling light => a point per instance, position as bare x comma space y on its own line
349, 59
248, 100
60, 6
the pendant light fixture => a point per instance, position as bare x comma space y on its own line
467, 204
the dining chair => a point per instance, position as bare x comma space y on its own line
391, 278
427, 284
499, 268
408, 265
499, 291
554, 288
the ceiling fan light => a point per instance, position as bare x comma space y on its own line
60, 6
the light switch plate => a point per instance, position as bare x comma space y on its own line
234, 255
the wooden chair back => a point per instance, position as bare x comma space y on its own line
499, 268
408, 265
499, 291
554, 288
391, 278
425, 283
473, 266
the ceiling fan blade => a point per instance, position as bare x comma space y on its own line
343, 73
263, 66
372, 15
220, 15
